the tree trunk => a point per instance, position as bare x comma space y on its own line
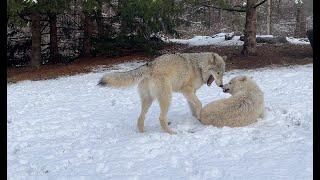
100, 24
54, 51
279, 9
36, 39
220, 16
269, 17
87, 35
123, 22
300, 30
209, 17
249, 46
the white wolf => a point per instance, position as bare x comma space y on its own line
244, 106
184, 73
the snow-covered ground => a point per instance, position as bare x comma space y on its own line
299, 41
219, 40
69, 128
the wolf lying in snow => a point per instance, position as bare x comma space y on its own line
244, 106
184, 73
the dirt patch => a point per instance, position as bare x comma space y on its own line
267, 55
81, 65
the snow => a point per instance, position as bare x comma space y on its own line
219, 40
299, 41
69, 128
33, 1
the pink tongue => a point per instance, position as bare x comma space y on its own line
210, 80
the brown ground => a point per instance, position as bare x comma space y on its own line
268, 55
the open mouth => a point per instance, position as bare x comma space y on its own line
210, 80
225, 90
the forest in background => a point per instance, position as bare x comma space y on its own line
44, 31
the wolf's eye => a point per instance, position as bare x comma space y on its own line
218, 73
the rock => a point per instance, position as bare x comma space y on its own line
229, 36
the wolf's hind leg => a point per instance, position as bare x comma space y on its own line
146, 101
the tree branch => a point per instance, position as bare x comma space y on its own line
258, 4
226, 9
240, 9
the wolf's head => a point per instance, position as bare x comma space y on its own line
239, 84
213, 69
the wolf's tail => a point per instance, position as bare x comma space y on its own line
124, 79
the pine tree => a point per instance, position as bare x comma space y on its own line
19, 11
90, 8
145, 17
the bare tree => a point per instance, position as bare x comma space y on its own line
249, 46
269, 17
300, 30
250, 30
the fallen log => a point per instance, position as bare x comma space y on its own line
269, 40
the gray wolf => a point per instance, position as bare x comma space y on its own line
244, 106
183, 73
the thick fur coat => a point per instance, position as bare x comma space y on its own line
184, 73
244, 107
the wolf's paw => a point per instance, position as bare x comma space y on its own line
170, 131
198, 115
102, 83
141, 129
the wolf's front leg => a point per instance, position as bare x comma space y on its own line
164, 105
194, 103
192, 109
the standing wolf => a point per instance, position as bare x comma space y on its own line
184, 73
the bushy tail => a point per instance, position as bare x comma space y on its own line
124, 79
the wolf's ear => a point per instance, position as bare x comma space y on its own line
243, 78
213, 59
224, 58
